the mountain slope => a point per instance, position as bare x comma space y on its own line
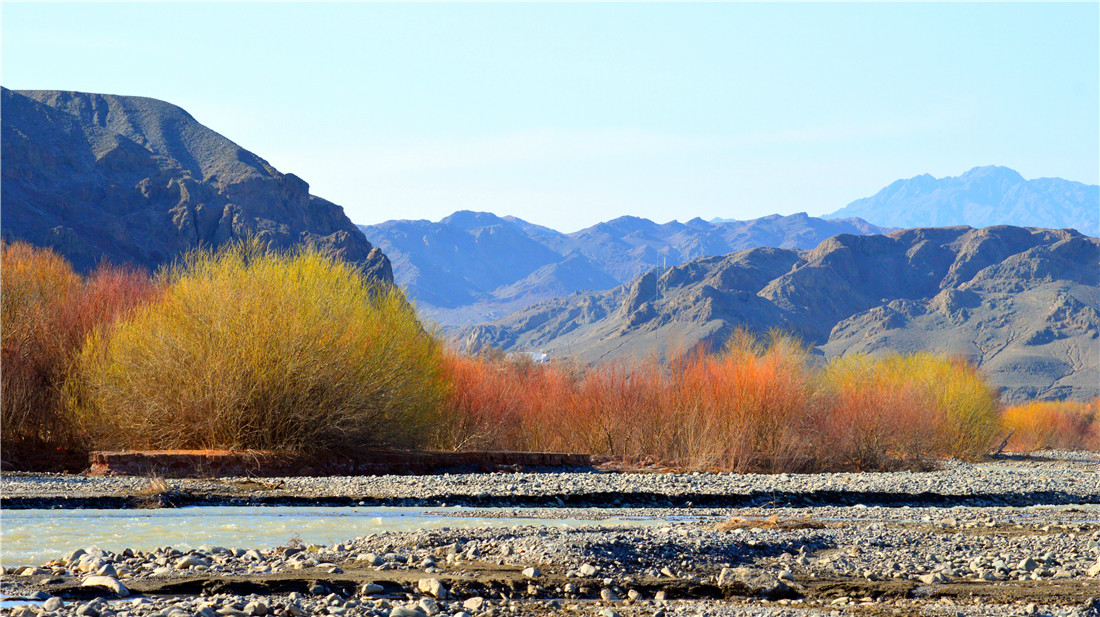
982, 197
472, 267
137, 180
1022, 303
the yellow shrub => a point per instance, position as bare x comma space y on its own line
964, 408
254, 349
37, 285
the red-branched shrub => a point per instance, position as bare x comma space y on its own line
48, 310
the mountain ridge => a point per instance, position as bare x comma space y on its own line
510, 263
981, 197
137, 180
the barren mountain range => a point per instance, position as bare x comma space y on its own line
136, 180
1022, 303
472, 267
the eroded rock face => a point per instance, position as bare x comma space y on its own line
137, 180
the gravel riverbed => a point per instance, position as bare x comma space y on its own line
939, 557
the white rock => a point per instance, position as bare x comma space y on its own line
532, 572
370, 589
109, 582
404, 611
433, 587
589, 570
475, 604
190, 561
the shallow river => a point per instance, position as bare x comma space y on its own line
32, 537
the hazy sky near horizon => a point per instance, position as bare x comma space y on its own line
569, 114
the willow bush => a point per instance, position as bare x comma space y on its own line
253, 349
48, 310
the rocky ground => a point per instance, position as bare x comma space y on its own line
950, 554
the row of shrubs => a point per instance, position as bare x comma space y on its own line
758, 405
250, 349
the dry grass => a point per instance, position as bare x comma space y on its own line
1041, 425
251, 349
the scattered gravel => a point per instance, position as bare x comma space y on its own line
774, 561
1048, 478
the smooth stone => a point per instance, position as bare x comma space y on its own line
433, 587
109, 582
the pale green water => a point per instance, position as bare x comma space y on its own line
33, 537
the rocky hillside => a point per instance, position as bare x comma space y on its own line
1022, 303
137, 180
981, 197
473, 267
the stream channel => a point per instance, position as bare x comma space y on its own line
33, 537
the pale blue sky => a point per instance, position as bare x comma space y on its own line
568, 114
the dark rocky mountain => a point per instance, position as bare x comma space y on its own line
981, 197
1022, 303
473, 267
137, 180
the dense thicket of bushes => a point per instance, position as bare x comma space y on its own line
761, 404
1040, 425
48, 310
246, 348
250, 349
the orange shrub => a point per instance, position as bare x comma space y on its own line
1066, 425
868, 418
48, 310
485, 405
746, 408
